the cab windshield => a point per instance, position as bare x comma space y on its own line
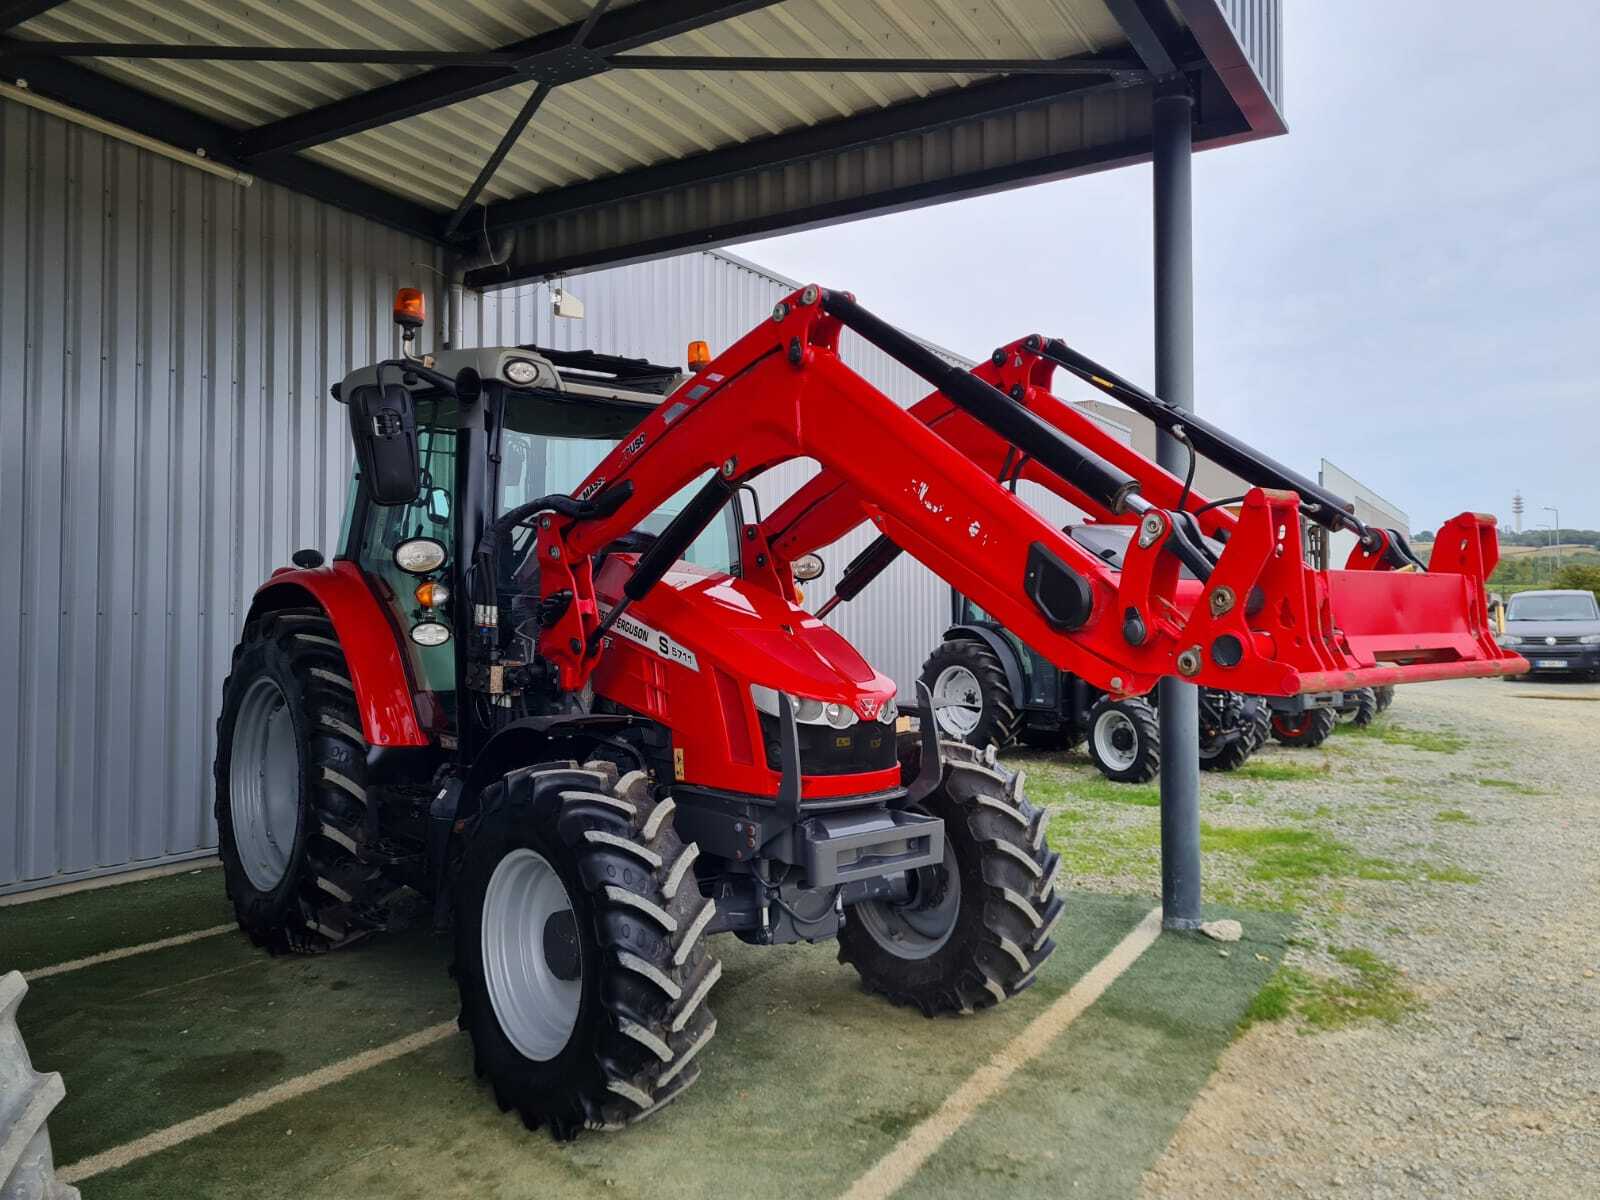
550, 445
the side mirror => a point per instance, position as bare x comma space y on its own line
383, 426
438, 506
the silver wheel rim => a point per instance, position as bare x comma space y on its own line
536, 994
1116, 740
264, 784
957, 701
921, 926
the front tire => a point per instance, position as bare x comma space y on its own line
1306, 730
293, 820
1366, 708
1385, 695
972, 701
1124, 739
580, 949
976, 929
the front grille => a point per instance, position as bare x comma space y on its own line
1564, 640
824, 750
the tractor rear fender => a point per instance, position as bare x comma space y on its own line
367, 638
1003, 650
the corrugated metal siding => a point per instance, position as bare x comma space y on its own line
1258, 24
166, 437
653, 310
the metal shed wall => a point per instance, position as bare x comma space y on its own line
653, 310
166, 342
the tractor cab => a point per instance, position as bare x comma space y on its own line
558, 414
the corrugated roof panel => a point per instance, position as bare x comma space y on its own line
246, 94
589, 129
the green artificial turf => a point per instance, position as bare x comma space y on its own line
808, 1082
44, 932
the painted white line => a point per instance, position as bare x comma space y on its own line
253, 961
94, 960
50, 891
210, 1122
891, 1172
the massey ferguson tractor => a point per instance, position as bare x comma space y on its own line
558, 680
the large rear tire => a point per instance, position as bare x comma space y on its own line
972, 702
293, 822
976, 929
1125, 739
1305, 730
580, 948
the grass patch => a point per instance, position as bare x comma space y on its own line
1510, 785
1092, 848
1388, 732
1282, 772
1107, 791
1455, 815
1277, 854
1449, 874
1369, 990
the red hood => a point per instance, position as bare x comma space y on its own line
753, 635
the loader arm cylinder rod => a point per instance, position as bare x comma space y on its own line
667, 549
1227, 451
1108, 484
863, 569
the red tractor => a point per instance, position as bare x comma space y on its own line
560, 684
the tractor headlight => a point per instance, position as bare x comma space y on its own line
521, 372
807, 711
890, 712
418, 556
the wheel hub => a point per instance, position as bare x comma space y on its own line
957, 700
264, 784
1116, 740
561, 945
919, 926
532, 954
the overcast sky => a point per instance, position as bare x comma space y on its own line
1408, 283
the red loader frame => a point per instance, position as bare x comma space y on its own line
1270, 625
1381, 620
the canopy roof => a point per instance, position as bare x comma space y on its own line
600, 133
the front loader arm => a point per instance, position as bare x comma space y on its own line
782, 393
1369, 624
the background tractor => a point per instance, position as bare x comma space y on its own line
991, 689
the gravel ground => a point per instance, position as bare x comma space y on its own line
1489, 1085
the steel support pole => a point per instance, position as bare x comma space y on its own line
1174, 296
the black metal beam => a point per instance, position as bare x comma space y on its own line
1151, 32
518, 124
890, 66
549, 57
12, 48
945, 108
104, 97
832, 212
15, 49
15, 12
